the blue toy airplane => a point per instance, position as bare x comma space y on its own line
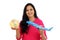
38, 26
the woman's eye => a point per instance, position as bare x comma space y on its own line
26, 10
31, 9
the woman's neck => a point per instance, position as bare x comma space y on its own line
32, 18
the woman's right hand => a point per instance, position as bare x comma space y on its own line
14, 28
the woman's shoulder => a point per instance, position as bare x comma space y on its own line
38, 19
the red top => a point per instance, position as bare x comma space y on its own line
33, 32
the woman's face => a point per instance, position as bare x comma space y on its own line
30, 11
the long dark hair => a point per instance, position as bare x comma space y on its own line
23, 25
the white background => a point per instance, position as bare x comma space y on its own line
47, 10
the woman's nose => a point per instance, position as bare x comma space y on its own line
29, 11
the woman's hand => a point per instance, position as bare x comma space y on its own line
42, 35
14, 28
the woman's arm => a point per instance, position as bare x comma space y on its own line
42, 32
42, 35
17, 34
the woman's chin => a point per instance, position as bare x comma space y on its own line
30, 16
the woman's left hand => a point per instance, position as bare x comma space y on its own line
42, 35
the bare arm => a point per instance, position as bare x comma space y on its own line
17, 33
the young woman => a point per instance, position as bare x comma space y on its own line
28, 32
